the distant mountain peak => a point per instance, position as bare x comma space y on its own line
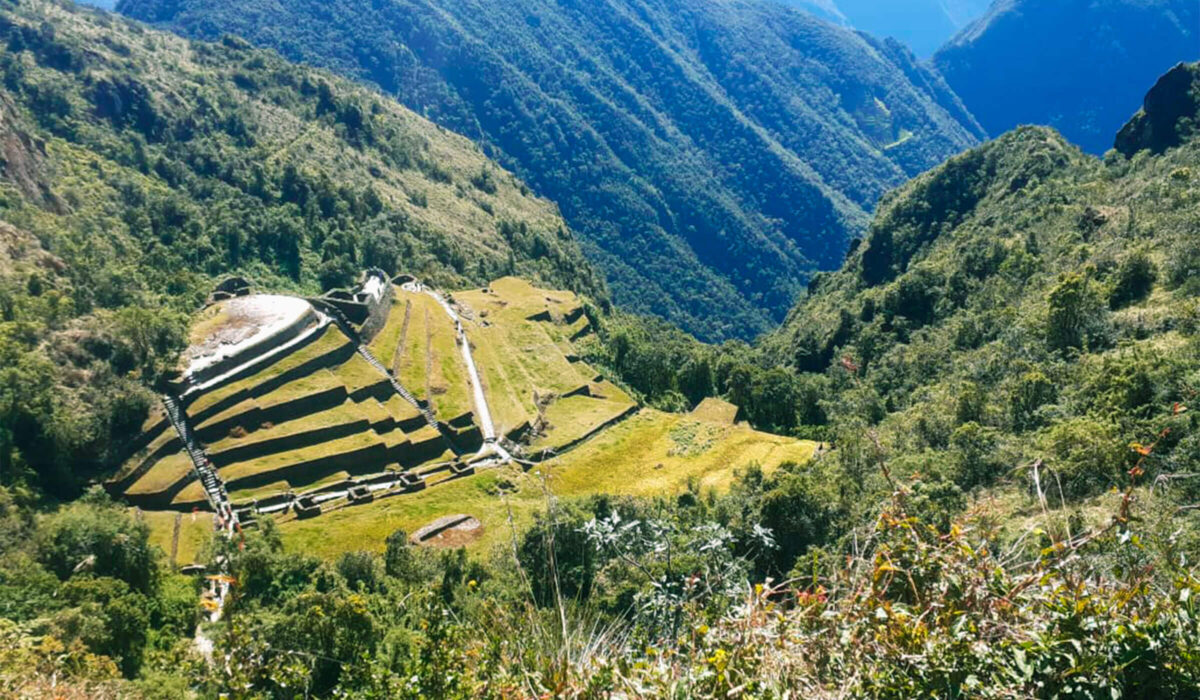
1080, 66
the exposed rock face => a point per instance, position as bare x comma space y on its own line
22, 160
1169, 115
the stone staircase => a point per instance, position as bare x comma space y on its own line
214, 488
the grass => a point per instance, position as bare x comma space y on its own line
348, 412
321, 380
373, 411
387, 340
284, 486
509, 397
195, 532
412, 355
573, 417
400, 409
237, 409
330, 340
519, 357
167, 435
281, 463
715, 410
356, 373
630, 459
431, 364
165, 473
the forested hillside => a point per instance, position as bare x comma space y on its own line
1023, 302
136, 168
1080, 66
1004, 375
710, 155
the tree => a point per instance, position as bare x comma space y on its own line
1077, 319
97, 536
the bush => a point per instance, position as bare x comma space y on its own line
1087, 456
1134, 278
1077, 319
97, 536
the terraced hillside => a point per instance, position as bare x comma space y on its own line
299, 410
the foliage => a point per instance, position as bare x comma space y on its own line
711, 156
141, 168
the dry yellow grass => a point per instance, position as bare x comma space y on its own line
573, 417
714, 410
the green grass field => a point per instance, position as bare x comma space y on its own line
520, 357
284, 464
348, 412
633, 458
573, 417
195, 532
165, 472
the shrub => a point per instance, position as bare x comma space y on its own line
1134, 278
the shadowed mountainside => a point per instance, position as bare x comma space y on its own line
1080, 66
710, 154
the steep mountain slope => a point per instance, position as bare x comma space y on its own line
1023, 302
1080, 66
710, 154
922, 25
136, 166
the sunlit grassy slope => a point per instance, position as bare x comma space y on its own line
651, 454
322, 414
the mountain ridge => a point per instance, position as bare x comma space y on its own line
1079, 66
710, 155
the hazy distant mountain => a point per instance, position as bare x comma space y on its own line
710, 154
924, 25
1081, 66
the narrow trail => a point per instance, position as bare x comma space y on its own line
225, 521
491, 444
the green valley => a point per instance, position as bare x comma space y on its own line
710, 155
304, 396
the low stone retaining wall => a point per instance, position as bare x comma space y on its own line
369, 458
286, 443
330, 359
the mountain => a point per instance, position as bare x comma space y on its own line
1080, 66
1025, 301
1002, 377
922, 25
710, 155
137, 168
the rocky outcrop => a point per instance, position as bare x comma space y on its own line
1168, 116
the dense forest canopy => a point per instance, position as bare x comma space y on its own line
138, 168
710, 155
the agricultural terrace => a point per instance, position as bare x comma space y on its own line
374, 433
